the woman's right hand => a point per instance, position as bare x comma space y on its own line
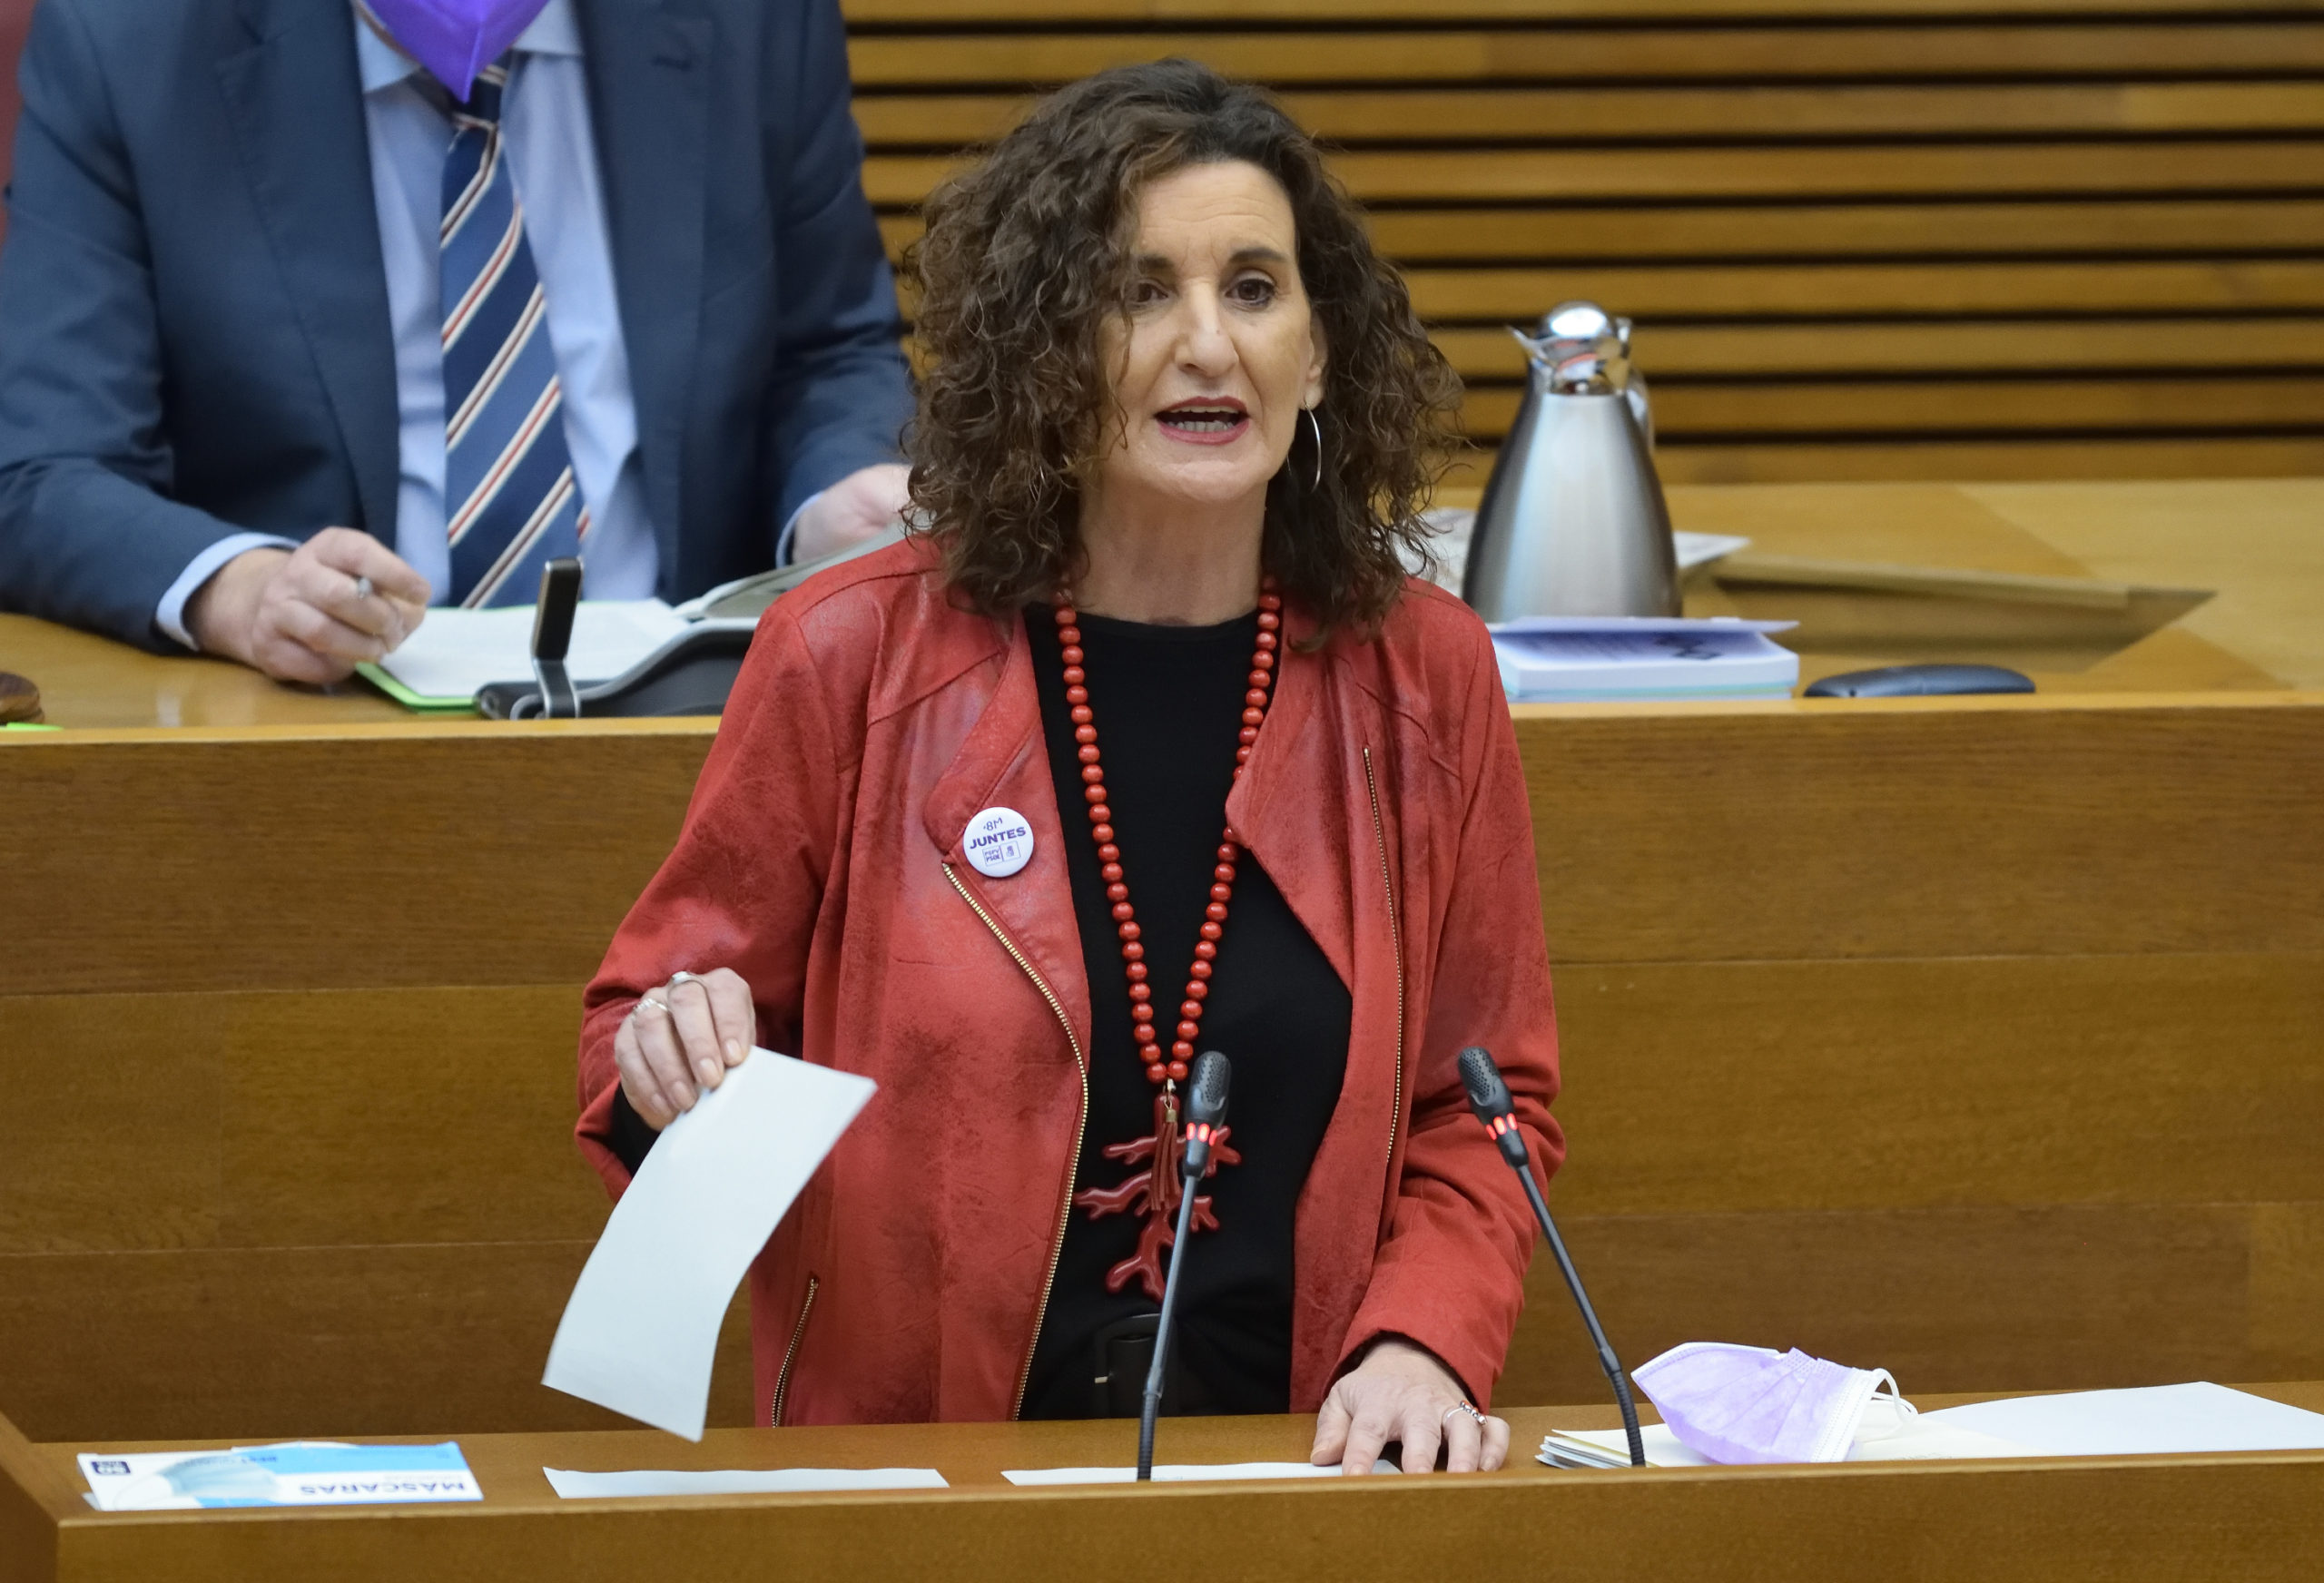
679, 1039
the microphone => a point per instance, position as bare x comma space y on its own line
1205, 1112
1489, 1098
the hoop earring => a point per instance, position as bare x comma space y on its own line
1317, 424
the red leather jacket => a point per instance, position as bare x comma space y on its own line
821, 860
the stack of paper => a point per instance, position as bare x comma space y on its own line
1568, 659
1919, 1441
2149, 1421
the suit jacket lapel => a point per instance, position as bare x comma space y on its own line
295, 103
649, 100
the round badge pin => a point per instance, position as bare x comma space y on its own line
999, 841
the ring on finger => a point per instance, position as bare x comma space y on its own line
363, 589
682, 977
646, 1000
1464, 1405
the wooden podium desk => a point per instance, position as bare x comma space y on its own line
2248, 1517
1982, 1039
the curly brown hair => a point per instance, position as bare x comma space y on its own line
1022, 259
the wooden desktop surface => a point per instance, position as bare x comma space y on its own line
2252, 542
2247, 1517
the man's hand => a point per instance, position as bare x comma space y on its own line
850, 511
1401, 1392
300, 615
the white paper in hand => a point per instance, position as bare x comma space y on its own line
641, 1329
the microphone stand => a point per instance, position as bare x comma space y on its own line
1606, 1360
1489, 1098
1161, 1345
1205, 1109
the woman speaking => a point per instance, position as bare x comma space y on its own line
1142, 744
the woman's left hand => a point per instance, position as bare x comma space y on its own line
1401, 1392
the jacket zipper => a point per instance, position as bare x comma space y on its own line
1080, 1123
1396, 940
790, 1353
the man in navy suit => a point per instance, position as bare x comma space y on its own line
297, 337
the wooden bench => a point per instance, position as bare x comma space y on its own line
1862, 239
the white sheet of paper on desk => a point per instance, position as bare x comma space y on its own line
454, 652
641, 1329
1924, 1441
2147, 1419
1184, 1472
573, 1486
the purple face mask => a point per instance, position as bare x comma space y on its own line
1748, 1404
455, 39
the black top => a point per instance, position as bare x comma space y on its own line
1168, 703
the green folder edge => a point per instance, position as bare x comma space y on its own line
420, 702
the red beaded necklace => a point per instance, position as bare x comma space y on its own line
1156, 1191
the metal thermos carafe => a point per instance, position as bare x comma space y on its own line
1572, 521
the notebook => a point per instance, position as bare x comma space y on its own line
455, 652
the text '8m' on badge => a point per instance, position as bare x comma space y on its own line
998, 842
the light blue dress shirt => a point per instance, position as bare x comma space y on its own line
553, 159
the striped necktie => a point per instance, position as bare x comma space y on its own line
510, 500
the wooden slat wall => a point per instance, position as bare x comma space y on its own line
1862, 239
